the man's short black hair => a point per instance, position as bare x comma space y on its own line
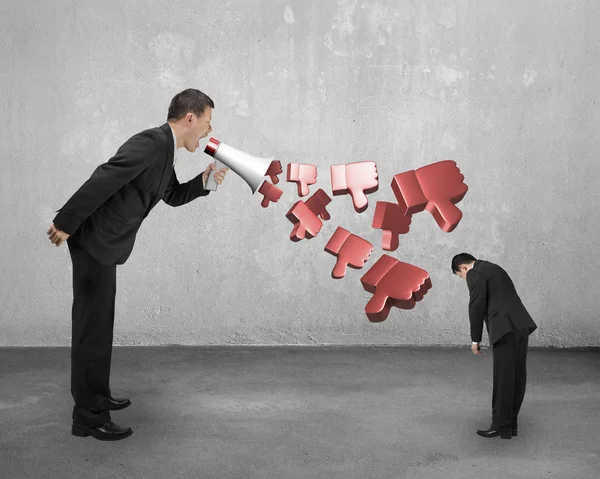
459, 259
190, 100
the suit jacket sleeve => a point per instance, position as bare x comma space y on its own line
131, 159
477, 303
178, 194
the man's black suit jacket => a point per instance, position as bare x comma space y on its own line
105, 214
494, 299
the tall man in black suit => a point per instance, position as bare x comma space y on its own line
100, 222
493, 299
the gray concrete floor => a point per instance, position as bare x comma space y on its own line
302, 412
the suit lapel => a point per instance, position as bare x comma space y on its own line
167, 168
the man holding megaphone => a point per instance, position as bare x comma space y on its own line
99, 223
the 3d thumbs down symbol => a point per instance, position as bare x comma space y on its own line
393, 283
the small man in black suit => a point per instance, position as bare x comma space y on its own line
99, 223
493, 299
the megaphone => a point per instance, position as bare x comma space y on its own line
251, 168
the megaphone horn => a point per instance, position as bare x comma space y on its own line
251, 168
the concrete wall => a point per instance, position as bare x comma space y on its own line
508, 89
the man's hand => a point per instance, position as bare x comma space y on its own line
475, 348
56, 236
219, 175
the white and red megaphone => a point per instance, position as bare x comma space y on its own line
251, 168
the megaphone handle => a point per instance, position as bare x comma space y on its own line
211, 183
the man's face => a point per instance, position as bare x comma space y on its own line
198, 127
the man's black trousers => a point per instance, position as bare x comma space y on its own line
510, 376
93, 314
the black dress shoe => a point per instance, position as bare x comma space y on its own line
107, 432
503, 432
114, 404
